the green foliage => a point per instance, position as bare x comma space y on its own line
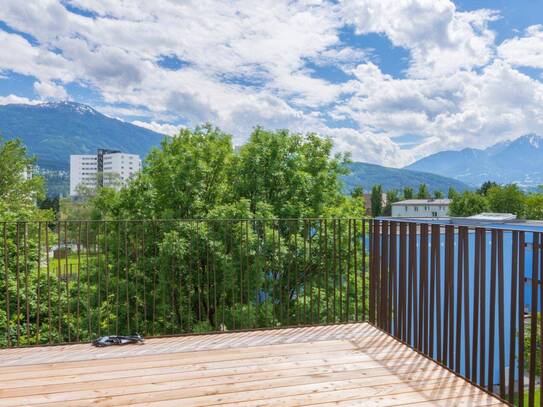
533, 206
19, 187
468, 204
392, 196
423, 192
506, 199
377, 200
452, 193
438, 195
357, 192
485, 187
408, 193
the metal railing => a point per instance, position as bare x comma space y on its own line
466, 296
73, 281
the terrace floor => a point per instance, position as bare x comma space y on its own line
352, 364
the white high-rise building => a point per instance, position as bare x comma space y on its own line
107, 168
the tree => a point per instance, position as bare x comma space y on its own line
423, 192
438, 195
408, 193
468, 204
392, 196
453, 193
296, 175
506, 199
534, 206
20, 189
357, 192
376, 200
485, 187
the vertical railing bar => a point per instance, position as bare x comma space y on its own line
326, 272
410, 283
459, 291
492, 309
383, 300
465, 258
402, 282
38, 285
340, 269
6, 277
423, 296
501, 318
533, 318
476, 293
99, 279
334, 244
117, 279
348, 271
513, 334
355, 252
482, 303
18, 299
393, 281
27, 303
432, 288
447, 301
364, 310
522, 246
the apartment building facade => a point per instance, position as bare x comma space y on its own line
111, 168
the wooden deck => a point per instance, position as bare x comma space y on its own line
328, 365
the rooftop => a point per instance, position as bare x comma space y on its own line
349, 364
423, 202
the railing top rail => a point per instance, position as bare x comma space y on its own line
185, 220
509, 226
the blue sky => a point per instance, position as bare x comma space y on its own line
389, 81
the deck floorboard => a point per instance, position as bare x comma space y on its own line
352, 364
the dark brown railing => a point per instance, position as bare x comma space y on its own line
467, 296
74, 281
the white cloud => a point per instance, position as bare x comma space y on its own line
244, 63
49, 90
6, 100
526, 50
166, 129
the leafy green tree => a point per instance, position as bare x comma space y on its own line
295, 174
486, 186
376, 200
357, 192
534, 206
20, 189
468, 204
423, 192
438, 195
408, 193
506, 199
392, 196
453, 193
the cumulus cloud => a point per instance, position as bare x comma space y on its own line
9, 99
526, 50
244, 63
162, 128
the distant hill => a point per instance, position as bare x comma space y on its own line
519, 161
368, 175
53, 131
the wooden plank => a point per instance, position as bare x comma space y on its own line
212, 369
158, 389
210, 397
341, 364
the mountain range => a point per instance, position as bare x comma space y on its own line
516, 161
53, 131
367, 175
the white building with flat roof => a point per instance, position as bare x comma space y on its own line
110, 168
421, 208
